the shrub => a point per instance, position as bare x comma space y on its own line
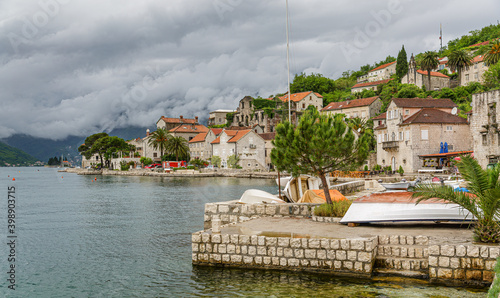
336, 209
400, 170
495, 287
124, 166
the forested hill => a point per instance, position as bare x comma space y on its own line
10, 156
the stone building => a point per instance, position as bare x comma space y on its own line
368, 86
169, 123
246, 144
188, 131
200, 146
364, 108
218, 117
420, 78
475, 72
246, 116
268, 138
382, 72
484, 127
417, 126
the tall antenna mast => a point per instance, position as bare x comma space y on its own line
441, 36
288, 66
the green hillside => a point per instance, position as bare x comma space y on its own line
12, 156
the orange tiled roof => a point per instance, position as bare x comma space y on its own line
429, 115
199, 138
178, 120
477, 59
190, 128
381, 116
216, 131
239, 135
234, 134
362, 102
383, 66
433, 73
371, 83
299, 96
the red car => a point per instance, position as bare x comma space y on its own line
152, 166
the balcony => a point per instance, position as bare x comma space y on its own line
390, 145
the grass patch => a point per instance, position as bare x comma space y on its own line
337, 209
495, 287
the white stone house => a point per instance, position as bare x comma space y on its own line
379, 73
200, 146
484, 127
246, 144
475, 72
415, 127
218, 117
364, 108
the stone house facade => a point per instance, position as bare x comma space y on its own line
188, 131
245, 116
268, 138
200, 146
246, 144
475, 72
484, 127
420, 78
364, 108
417, 126
170, 123
368, 86
382, 72
218, 117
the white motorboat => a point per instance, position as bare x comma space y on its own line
399, 206
257, 196
396, 185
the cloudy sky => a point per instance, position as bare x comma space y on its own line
71, 67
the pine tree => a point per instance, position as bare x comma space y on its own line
402, 64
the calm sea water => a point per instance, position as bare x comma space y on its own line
112, 236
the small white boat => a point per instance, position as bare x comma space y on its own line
257, 196
396, 185
297, 186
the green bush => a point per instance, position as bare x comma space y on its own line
495, 287
366, 168
124, 166
336, 209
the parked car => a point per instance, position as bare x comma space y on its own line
152, 166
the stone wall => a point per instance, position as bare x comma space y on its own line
233, 211
340, 256
469, 264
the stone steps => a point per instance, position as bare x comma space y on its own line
402, 257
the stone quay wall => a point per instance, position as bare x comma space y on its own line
340, 256
233, 211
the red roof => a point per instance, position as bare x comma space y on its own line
424, 102
480, 44
177, 120
381, 116
383, 66
190, 128
478, 59
371, 83
216, 131
199, 138
235, 135
268, 135
434, 116
433, 73
448, 154
362, 102
299, 96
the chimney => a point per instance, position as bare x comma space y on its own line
181, 117
147, 132
196, 119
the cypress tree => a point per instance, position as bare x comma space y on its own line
402, 63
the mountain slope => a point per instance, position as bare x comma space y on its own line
12, 156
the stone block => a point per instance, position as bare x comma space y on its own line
433, 261
473, 251
489, 264
484, 252
421, 240
477, 263
344, 244
210, 208
424, 264
243, 250
205, 237
208, 247
293, 262
231, 248
459, 274
204, 257
352, 255
295, 209
283, 242
284, 210
201, 247
444, 273
266, 261
410, 240
330, 254
279, 251
226, 258
271, 209
226, 239
224, 218
321, 253
261, 240
383, 239
432, 272
419, 252
222, 248
288, 252
335, 244
196, 238
364, 256
271, 251
358, 266
223, 208
357, 244
216, 238
396, 251
314, 243
341, 255
261, 250
403, 252
337, 265
488, 276
215, 258
283, 262
348, 265
260, 209
298, 253
406, 264
252, 250
454, 263
460, 251
329, 264
370, 245
233, 218
310, 253
444, 262
238, 250
494, 252
305, 243
411, 252
244, 240
234, 239
235, 208
304, 263
254, 240
325, 243
466, 263
295, 243
394, 239
194, 257
473, 274
258, 260
276, 261
248, 260
304, 210
368, 268
271, 241
314, 263
236, 258
195, 247
448, 250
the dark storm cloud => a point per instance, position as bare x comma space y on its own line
79, 67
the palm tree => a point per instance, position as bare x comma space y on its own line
159, 140
459, 60
492, 55
430, 61
483, 201
178, 146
